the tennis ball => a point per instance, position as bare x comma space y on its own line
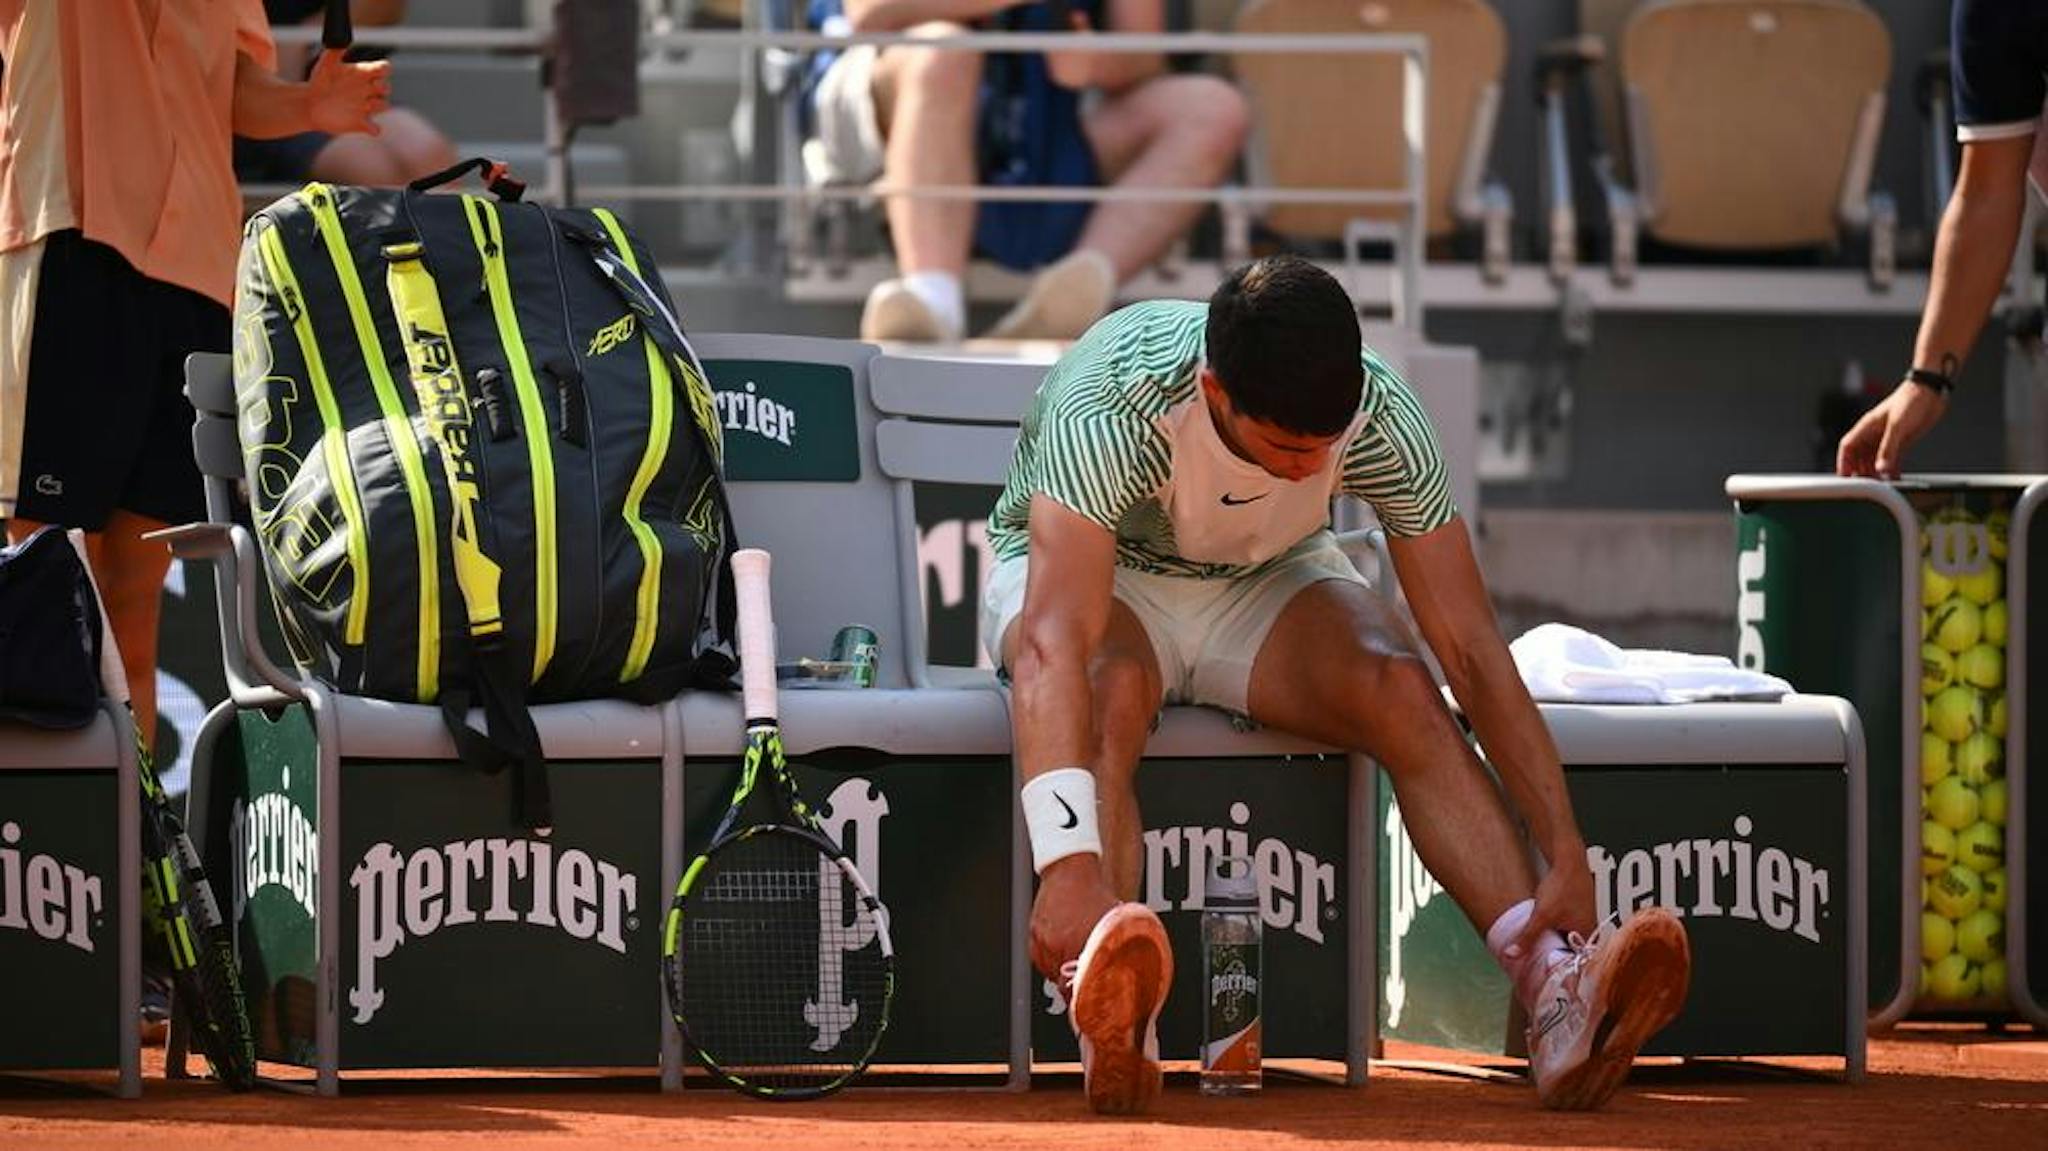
1980, 847
1996, 724
1953, 803
1925, 972
1955, 893
1991, 802
1981, 936
1937, 937
1994, 889
1934, 586
1981, 666
1937, 848
1997, 526
1995, 622
1955, 712
1954, 978
1982, 586
1978, 759
1935, 758
1958, 624
1937, 669
1993, 973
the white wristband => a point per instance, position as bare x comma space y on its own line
1059, 811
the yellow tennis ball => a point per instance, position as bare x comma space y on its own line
1936, 759
1980, 936
1937, 937
1995, 622
1934, 586
1991, 799
1953, 803
1980, 847
1978, 759
1925, 975
1955, 712
1997, 526
1937, 848
1937, 669
1982, 666
1955, 893
1954, 978
1994, 889
1996, 723
1958, 625
1982, 586
1993, 978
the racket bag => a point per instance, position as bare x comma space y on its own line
482, 458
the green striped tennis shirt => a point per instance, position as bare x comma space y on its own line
1121, 435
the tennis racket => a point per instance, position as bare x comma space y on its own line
178, 902
775, 955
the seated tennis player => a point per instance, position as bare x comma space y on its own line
1164, 538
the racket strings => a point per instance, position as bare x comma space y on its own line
784, 980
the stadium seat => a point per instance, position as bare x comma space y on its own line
1751, 126
1335, 121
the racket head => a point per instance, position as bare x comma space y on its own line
778, 963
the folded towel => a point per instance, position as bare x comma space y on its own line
1564, 664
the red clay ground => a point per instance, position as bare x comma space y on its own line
1929, 1088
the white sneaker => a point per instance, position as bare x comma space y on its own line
1068, 296
895, 314
1114, 994
1598, 1007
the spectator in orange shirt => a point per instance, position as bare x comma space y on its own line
119, 228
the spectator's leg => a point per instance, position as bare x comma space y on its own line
416, 147
1174, 132
926, 100
356, 159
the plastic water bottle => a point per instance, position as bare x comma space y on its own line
1231, 938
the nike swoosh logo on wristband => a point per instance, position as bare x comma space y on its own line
1073, 821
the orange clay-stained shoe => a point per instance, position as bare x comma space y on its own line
1114, 995
1599, 1007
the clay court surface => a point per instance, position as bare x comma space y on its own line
1929, 1087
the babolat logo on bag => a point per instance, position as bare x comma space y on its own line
404, 897
786, 421
611, 336
41, 894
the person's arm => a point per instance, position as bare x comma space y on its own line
896, 15
1112, 71
337, 98
1971, 253
1448, 597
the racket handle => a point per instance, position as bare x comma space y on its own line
757, 633
336, 31
113, 675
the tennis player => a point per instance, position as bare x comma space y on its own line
1164, 538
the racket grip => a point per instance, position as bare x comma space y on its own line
336, 29
757, 633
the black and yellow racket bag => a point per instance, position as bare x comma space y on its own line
482, 458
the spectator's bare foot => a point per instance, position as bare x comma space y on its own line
1064, 300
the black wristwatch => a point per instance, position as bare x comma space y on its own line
1937, 382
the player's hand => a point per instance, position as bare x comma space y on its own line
342, 98
1564, 901
1875, 445
1073, 896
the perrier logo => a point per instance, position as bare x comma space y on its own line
1233, 990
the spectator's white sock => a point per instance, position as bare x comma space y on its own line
1525, 969
940, 292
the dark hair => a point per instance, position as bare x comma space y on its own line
1283, 341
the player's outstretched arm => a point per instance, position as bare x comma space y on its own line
1448, 596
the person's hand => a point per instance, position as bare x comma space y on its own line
1564, 901
1874, 446
344, 98
1073, 896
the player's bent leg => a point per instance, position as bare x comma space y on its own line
1599, 1007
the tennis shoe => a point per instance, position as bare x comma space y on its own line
1601, 1003
1115, 991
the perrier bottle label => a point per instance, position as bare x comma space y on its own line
1232, 1036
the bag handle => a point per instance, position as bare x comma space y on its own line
497, 177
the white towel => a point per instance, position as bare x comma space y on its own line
1564, 664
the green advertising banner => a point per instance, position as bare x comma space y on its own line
1751, 858
59, 904
467, 942
932, 837
1819, 606
1287, 816
786, 421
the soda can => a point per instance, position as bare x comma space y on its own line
855, 646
